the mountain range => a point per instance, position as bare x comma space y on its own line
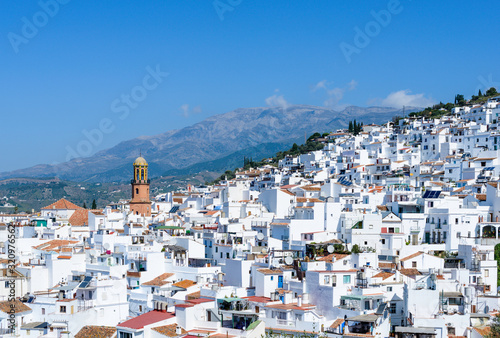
214, 144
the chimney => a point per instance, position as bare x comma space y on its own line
178, 330
287, 297
299, 301
305, 298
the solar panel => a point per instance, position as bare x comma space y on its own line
174, 209
86, 282
431, 194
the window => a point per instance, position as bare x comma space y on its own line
392, 308
383, 240
413, 264
43, 310
389, 288
7, 283
347, 279
62, 309
272, 277
327, 280
486, 273
125, 335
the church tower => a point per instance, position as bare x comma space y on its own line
140, 203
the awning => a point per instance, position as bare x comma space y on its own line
452, 294
363, 318
421, 330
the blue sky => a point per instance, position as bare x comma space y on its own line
61, 77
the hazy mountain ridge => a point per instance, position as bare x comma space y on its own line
214, 138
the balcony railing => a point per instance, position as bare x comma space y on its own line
285, 322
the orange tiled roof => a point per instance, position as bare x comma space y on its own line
55, 245
79, 218
169, 330
160, 280
329, 258
410, 272
383, 275
336, 323
186, 283
18, 307
92, 331
483, 331
270, 271
62, 204
416, 254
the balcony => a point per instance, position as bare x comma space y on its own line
284, 322
37, 261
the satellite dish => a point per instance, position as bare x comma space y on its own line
264, 251
173, 241
106, 246
288, 260
260, 236
330, 248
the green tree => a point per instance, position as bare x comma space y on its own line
351, 129
492, 91
459, 99
84, 205
94, 205
479, 93
494, 327
355, 249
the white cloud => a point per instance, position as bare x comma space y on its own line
277, 101
405, 98
186, 112
335, 95
320, 85
352, 85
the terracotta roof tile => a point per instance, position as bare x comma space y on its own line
383, 275
160, 280
56, 245
79, 218
270, 271
186, 283
92, 331
19, 307
62, 204
169, 330
336, 323
147, 318
410, 272
416, 254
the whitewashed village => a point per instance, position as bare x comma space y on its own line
386, 232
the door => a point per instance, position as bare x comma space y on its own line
280, 282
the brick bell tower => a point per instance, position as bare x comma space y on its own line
140, 203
